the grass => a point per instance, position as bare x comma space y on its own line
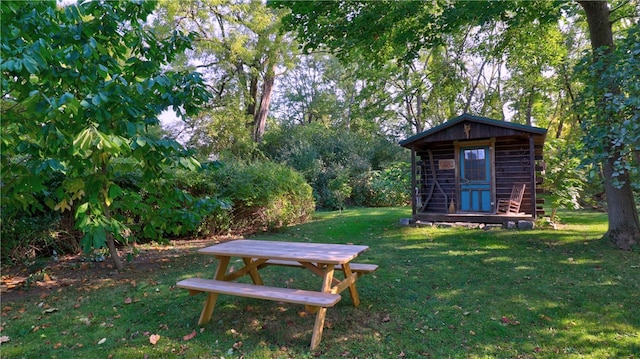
439, 293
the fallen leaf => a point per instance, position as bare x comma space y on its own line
189, 336
127, 300
101, 341
507, 320
153, 339
4, 339
50, 310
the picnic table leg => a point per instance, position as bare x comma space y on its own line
210, 302
255, 276
318, 327
352, 288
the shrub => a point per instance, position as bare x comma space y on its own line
336, 162
384, 188
263, 196
26, 236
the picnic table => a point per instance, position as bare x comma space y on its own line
320, 258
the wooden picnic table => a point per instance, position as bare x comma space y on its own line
322, 259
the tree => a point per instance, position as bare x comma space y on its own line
309, 92
239, 48
82, 88
399, 30
612, 118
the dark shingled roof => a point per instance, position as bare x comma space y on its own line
478, 119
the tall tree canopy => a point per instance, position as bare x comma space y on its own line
82, 86
379, 31
239, 49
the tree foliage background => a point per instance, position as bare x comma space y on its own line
539, 87
324, 88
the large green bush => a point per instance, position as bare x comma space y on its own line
262, 196
343, 167
384, 188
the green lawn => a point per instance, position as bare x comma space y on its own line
439, 293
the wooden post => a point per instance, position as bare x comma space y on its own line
532, 169
413, 182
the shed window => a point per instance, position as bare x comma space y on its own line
475, 164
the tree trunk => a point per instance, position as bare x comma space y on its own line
265, 101
111, 243
114, 252
529, 112
624, 225
253, 96
467, 105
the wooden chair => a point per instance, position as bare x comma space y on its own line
512, 205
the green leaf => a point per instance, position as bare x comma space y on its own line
82, 208
115, 191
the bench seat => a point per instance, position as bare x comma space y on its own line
360, 268
318, 301
297, 296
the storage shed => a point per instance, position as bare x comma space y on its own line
464, 170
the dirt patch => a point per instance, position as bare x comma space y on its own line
47, 275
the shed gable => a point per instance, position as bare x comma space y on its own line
467, 127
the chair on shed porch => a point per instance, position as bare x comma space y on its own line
512, 205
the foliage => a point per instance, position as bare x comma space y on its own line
238, 47
330, 159
26, 236
381, 32
384, 29
384, 188
438, 292
262, 196
564, 179
610, 106
82, 88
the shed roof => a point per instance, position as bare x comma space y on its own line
477, 119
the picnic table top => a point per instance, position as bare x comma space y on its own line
295, 251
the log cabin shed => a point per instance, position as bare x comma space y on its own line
462, 168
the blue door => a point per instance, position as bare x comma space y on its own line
475, 179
